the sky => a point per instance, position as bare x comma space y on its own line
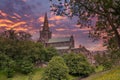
28, 16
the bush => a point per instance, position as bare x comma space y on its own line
104, 60
7, 65
10, 68
56, 70
25, 66
77, 64
10, 72
3, 61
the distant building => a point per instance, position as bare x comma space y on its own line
62, 44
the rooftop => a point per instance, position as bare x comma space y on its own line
60, 39
65, 47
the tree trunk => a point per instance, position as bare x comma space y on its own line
117, 35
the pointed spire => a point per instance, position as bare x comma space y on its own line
72, 37
46, 26
46, 19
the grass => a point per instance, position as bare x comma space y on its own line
113, 74
37, 75
72, 77
99, 69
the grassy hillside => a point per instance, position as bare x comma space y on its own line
38, 73
35, 76
113, 74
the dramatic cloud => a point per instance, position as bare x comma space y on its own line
3, 14
17, 14
24, 0
61, 29
52, 25
97, 47
57, 18
28, 15
41, 19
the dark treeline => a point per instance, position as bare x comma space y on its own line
19, 54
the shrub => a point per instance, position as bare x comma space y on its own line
7, 65
56, 70
104, 60
10, 72
77, 64
3, 61
10, 68
25, 66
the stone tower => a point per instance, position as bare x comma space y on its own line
72, 42
45, 33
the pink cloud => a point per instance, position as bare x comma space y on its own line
51, 25
74, 30
61, 29
59, 35
24, 0
97, 47
85, 29
2, 13
78, 26
41, 19
57, 18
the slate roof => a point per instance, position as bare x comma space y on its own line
64, 47
60, 39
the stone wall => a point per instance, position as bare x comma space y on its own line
59, 44
83, 51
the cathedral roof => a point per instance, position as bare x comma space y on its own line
64, 47
60, 39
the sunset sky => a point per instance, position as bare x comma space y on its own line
28, 15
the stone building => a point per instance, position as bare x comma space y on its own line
62, 44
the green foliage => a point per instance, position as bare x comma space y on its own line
15, 35
50, 53
10, 68
112, 74
99, 68
115, 57
36, 75
3, 61
25, 66
109, 59
77, 64
23, 53
56, 70
103, 60
107, 13
10, 72
7, 65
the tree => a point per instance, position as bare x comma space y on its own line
3, 60
103, 59
25, 66
115, 57
14, 35
23, 36
11, 34
51, 52
56, 69
10, 68
77, 64
7, 65
106, 12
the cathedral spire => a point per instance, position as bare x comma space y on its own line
46, 24
45, 33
